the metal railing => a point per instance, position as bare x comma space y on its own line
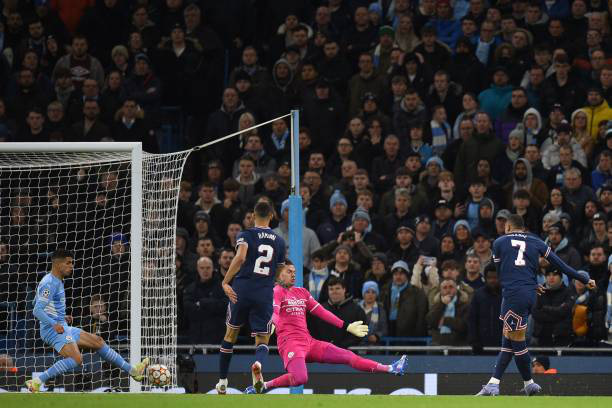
443, 350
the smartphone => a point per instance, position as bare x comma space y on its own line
429, 260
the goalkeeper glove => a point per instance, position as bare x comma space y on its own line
357, 329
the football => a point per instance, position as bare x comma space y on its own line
159, 375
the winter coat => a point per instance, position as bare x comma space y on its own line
310, 242
457, 324
479, 146
348, 311
484, 324
536, 187
553, 315
411, 312
359, 86
595, 114
495, 99
205, 304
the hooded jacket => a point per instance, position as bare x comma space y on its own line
596, 114
536, 187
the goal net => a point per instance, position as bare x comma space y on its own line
116, 210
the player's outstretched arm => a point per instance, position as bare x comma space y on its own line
554, 259
356, 328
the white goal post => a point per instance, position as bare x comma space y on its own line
98, 199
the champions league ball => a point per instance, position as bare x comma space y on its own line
159, 375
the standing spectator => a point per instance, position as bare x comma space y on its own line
403, 248
206, 304
342, 305
522, 179
473, 277
90, 129
80, 63
359, 38
482, 145
338, 221
98, 321
513, 114
559, 243
131, 127
319, 272
447, 319
324, 115
588, 315
376, 315
597, 109
495, 99
484, 324
344, 268
310, 242
406, 305
563, 87
435, 53
576, 193
425, 275
147, 29
603, 172
366, 80
145, 87
95, 24
552, 313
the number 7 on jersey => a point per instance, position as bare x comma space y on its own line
520, 260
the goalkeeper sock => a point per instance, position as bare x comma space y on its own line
261, 354
110, 355
522, 359
61, 367
225, 356
503, 359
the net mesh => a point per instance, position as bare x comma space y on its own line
83, 202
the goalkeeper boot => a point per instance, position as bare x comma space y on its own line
33, 385
400, 366
490, 390
258, 381
532, 389
138, 371
221, 386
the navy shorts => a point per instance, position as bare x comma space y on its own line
257, 312
515, 310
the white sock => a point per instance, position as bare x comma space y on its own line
494, 380
528, 382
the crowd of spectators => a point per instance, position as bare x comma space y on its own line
424, 125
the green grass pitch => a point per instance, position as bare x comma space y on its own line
51, 400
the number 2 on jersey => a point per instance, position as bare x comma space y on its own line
520, 260
267, 251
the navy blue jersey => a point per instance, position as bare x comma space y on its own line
517, 257
266, 251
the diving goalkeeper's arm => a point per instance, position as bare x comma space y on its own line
355, 328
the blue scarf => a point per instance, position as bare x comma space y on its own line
316, 278
396, 291
280, 144
449, 311
373, 319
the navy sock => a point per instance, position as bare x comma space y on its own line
225, 356
503, 358
522, 359
261, 353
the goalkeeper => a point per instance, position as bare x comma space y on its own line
50, 310
295, 345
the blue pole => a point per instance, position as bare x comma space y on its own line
296, 214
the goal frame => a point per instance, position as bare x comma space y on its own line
136, 153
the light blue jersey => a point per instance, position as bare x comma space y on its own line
50, 309
50, 302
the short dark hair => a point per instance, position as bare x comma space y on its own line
262, 209
61, 253
333, 281
516, 221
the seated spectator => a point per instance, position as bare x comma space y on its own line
376, 315
574, 191
512, 115
403, 180
364, 81
378, 270
557, 240
447, 318
551, 151
98, 321
521, 205
384, 168
505, 162
340, 302
435, 53
473, 276
443, 223
484, 325
404, 248
402, 213
224, 261
588, 315
596, 233
81, 64
206, 305
187, 257
319, 272
541, 365
247, 177
415, 143
552, 313
35, 130
338, 221
254, 148
131, 127
409, 111
406, 305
